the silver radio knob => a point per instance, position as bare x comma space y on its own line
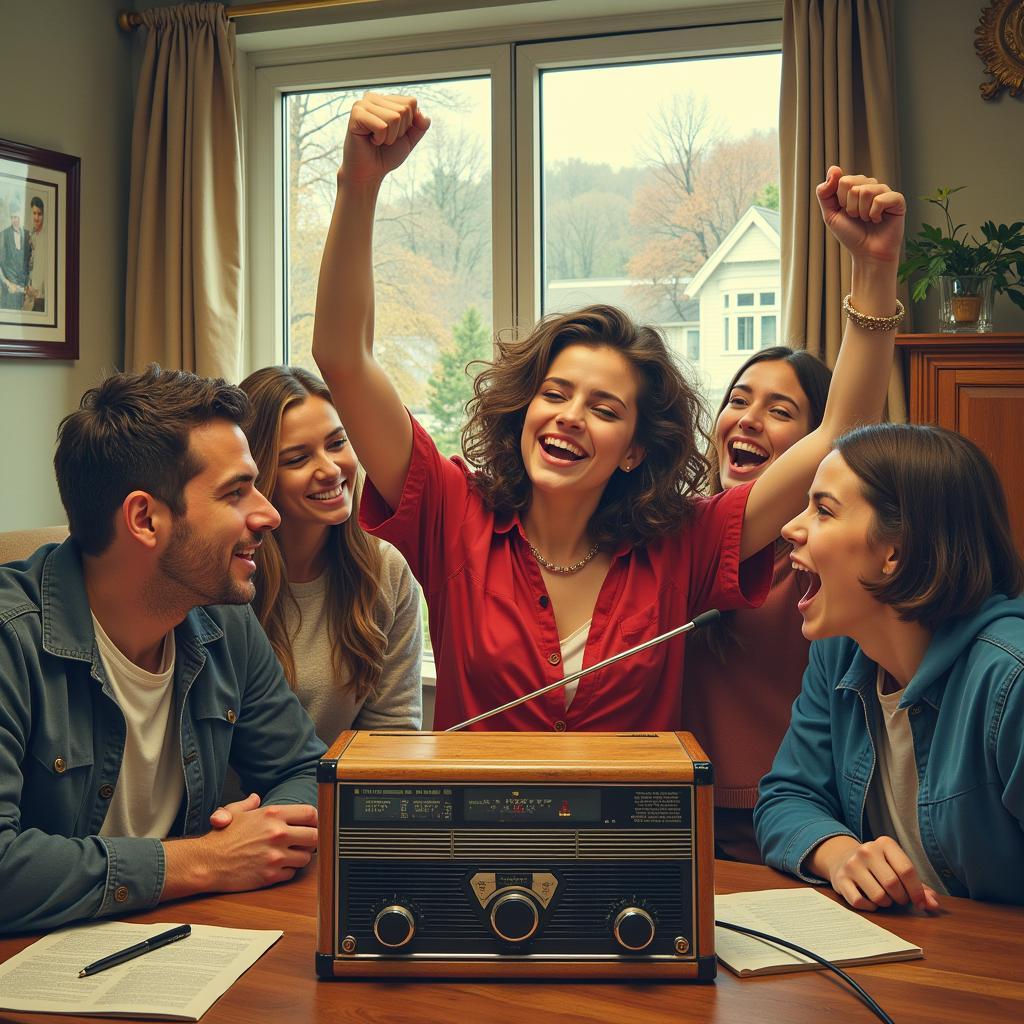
633, 929
514, 917
394, 926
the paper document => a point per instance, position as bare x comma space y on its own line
807, 918
180, 981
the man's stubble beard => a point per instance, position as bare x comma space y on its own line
191, 575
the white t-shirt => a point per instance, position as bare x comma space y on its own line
892, 796
572, 648
151, 782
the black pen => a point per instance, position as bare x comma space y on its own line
183, 931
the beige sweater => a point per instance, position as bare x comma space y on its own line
330, 700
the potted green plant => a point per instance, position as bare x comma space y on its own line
967, 272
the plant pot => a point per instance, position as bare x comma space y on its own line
965, 304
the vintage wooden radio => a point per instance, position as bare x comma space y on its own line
572, 855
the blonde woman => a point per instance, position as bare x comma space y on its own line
341, 608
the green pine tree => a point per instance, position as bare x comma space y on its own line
451, 385
768, 197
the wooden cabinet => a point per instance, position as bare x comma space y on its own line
974, 384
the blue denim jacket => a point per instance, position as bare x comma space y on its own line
62, 737
966, 705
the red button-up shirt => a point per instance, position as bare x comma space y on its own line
492, 625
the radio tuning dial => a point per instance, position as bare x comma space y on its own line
514, 917
633, 929
394, 926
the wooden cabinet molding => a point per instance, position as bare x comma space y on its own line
974, 384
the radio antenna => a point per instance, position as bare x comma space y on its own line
702, 620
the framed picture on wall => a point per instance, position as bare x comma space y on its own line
39, 239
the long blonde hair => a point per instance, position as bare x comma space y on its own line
353, 558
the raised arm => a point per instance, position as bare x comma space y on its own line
382, 132
867, 218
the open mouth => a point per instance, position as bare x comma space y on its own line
247, 555
813, 586
334, 492
746, 454
562, 450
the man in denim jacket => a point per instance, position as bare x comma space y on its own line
132, 670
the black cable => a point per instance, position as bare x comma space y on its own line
868, 1001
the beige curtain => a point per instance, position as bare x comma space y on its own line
838, 106
183, 302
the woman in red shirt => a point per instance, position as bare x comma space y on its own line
580, 533
735, 704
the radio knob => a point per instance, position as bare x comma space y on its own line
633, 928
514, 917
394, 926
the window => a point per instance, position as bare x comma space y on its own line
744, 333
767, 331
767, 298
693, 346
432, 243
606, 208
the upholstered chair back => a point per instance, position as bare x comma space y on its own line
18, 544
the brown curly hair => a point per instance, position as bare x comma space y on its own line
658, 497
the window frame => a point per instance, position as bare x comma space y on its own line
266, 206
515, 69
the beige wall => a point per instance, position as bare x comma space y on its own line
950, 135
65, 79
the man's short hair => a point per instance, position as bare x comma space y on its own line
132, 433
37, 203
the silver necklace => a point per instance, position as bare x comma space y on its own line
564, 570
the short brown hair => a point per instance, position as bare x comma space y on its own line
938, 499
132, 433
655, 499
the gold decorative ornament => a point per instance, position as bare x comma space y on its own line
1000, 45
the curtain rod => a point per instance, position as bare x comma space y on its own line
130, 20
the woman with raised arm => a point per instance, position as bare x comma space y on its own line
341, 608
902, 774
580, 533
743, 673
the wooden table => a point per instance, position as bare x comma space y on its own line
973, 970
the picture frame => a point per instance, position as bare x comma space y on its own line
39, 252
999, 42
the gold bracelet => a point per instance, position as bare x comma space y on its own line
874, 323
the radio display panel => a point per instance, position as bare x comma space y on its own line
401, 803
533, 803
572, 806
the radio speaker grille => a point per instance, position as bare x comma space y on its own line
514, 844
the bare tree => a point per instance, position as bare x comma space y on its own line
700, 185
585, 235
683, 132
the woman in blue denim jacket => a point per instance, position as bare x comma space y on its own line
901, 777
